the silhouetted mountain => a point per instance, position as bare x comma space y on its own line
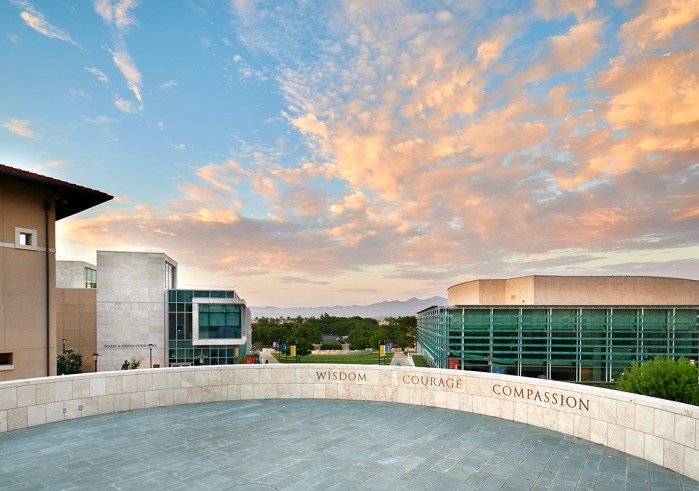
393, 308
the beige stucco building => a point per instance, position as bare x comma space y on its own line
30, 205
576, 290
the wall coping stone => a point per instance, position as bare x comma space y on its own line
663, 432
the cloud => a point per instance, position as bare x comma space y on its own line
98, 73
549, 9
660, 20
308, 123
20, 127
36, 20
300, 280
662, 91
455, 144
116, 12
577, 46
76, 94
170, 84
51, 164
124, 106
100, 120
491, 49
118, 15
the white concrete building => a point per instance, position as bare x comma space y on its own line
140, 314
131, 306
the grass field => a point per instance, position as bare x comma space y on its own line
353, 359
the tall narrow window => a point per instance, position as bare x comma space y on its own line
90, 278
170, 276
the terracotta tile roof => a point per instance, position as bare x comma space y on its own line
69, 198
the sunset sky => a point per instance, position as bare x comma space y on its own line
318, 152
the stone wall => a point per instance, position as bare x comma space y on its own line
662, 432
130, 307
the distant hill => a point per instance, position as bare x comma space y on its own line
393, 308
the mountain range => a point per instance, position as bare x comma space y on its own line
393, 308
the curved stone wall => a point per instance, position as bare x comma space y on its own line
662, 432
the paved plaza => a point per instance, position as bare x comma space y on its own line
303, 444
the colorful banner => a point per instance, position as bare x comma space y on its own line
292, 350
382, 350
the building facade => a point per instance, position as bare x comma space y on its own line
139, 314
30, 205
207, 327
562, 328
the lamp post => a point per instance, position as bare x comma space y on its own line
150, 349
64, 344
94, 357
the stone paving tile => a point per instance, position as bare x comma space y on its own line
314, 444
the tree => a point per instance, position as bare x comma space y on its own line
69, 362
308, 332
134, 363
664, 378
379, 336
360, 338
402, 330
303, 347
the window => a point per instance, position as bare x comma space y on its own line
25, 238
170, 276
90, 278
219, 321
6, 361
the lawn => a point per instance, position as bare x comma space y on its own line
353, 359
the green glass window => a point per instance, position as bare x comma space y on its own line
220, 321
90, 278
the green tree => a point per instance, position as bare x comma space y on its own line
134, 363
379, 336
402, 330
360, 338
303, 347
308, 332
69, 362
664, 378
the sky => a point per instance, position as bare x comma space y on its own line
326, 152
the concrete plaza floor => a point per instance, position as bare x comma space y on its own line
314, 444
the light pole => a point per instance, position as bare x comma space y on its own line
64, 344
150, 349
94, 357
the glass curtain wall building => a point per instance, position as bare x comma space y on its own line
559, 342
206, 327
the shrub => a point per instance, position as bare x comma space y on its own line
664, 378
331, 346
135, 363
68, 362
